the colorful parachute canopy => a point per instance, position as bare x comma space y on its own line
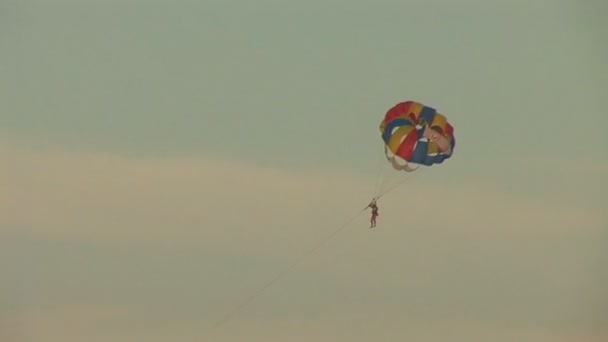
417, 134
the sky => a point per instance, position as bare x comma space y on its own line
162, 162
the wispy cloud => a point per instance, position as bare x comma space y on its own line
111, 323
96, 195
464, 248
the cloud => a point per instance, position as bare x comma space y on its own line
446, 247
56, 193
103, 323
88, 323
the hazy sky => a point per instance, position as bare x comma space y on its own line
164, 160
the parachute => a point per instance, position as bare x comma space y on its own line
414, 134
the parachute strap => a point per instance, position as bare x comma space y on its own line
227, 316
